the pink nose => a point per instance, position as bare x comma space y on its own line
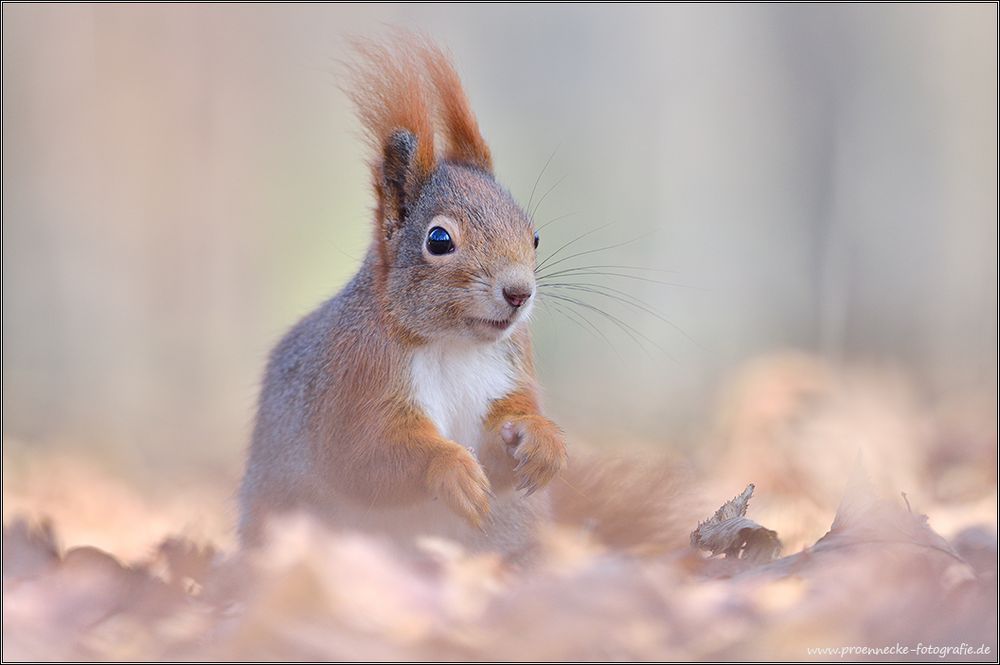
516, 297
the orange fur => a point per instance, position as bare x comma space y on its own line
427, 461
465, 144
389, 91
413, 86
519, 403
392, 92
644, 502
396, 455
340, 431
534, 443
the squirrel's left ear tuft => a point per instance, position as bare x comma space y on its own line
464, 143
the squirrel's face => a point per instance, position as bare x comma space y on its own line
462, 263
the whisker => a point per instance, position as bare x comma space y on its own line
552, 221
617, 322
576, 318
590, 327
625, 297
482, 266
607, 266
538, 205
602, 249
548, 258
590, 286
625, 327
540, 174
569, 273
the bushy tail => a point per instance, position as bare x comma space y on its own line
633, 503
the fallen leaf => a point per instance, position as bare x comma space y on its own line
729, 531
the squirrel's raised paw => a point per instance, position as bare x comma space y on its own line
538, 448
458, 479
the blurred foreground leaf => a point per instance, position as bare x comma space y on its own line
729, 531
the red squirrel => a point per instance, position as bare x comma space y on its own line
407, 404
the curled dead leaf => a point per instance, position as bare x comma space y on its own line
730, 532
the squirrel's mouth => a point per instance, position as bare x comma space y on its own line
495, 324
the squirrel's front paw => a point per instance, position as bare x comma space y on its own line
456, 477
539, 449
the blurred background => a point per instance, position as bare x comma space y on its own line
181, 183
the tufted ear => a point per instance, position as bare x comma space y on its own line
389, 89
463, 141
401, 178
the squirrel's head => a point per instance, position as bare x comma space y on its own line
455, 254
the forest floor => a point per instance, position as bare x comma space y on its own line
869, 534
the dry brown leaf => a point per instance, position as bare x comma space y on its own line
729, 531
865, 519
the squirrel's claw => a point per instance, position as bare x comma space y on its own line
540, 452
459, 480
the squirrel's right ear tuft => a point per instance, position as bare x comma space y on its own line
388, 88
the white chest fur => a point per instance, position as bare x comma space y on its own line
455, 384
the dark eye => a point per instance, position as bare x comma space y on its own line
536, 239
439, 241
